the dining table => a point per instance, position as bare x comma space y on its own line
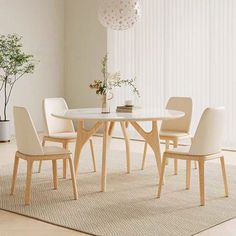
108, 120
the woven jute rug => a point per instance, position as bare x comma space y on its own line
129, 206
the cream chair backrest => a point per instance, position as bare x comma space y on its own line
208, 137
53, 124
26, 136
182, 124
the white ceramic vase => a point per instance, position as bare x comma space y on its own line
5, 131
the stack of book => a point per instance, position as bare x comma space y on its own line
125, 108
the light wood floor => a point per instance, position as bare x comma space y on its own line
13, 224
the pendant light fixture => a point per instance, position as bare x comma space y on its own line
119, 14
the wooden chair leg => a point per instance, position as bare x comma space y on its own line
40, 166
166, 148
54, 171
40, 162
65, 145
175, 166
188, 174
16, 163
93, 156
72, 171
195, 164
144, 156
224, 176
161, 176
175, 160
28, 182
201, 182
64, 168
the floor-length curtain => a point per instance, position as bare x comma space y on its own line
181, 48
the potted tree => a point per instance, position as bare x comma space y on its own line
14, 64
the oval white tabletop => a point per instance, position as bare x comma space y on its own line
94, 114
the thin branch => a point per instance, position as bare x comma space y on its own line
20, 76
9, 93
12, 85
16, 79
5, 99
2, 85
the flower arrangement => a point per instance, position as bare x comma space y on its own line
110, 81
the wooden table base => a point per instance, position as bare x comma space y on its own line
152, 138
83, 136
108, 121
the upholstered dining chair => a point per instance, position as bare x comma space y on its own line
30, 150
206, 145
175, 130
60, 130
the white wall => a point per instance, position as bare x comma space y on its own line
41, 23
85, 45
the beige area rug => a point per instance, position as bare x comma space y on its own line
129, 206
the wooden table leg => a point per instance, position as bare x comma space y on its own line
107, 136
110, 132
65, 145
83, 136
124, 127
175, 160
104, 156
152, 138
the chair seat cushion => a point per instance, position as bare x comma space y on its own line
185, 151
64, 135
54, 150
169, 133
182, 150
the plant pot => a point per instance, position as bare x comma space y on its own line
4, 130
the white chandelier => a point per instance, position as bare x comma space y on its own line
119, 14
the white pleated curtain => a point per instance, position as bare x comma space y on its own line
181, 48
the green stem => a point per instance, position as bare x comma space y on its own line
5, 99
